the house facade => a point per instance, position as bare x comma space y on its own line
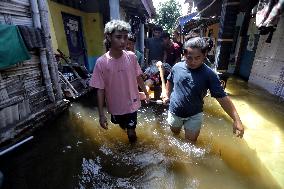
77, 26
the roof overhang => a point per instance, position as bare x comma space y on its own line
216, 7
200, 22
141, 8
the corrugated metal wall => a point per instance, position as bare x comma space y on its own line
22, 91
16, 12
268, 67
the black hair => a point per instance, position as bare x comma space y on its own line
157, 28
166, 35
209, 43
198, 43
131, 37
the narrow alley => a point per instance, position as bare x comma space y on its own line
141, 94
75, 149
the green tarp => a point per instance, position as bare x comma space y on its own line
12, 47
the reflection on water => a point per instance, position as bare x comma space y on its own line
74, 152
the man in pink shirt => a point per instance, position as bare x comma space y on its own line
117, 76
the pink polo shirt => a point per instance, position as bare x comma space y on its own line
119, 79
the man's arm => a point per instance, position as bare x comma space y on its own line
177, 55
141, 84
168, 91
230, 109
101, 100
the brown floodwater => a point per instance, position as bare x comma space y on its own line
74, 152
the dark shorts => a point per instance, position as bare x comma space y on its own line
125, 121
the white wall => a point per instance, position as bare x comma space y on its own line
268, 66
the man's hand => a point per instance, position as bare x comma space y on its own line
238, 128
144, 96
103, 122
159, 64
147, 100
166, 99
230, 109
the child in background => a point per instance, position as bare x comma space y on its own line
131, 47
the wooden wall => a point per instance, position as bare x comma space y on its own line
22, 89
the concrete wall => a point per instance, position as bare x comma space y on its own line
268, 66
92, 30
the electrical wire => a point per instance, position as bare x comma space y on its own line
206, 8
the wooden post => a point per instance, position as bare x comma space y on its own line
52, 62
230, 9
43, 58
114, 9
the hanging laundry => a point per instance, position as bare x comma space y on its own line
32, 37
12, 47
268, 17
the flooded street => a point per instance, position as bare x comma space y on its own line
74, 152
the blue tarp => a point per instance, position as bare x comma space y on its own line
183, 20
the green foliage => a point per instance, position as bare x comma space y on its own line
167, 14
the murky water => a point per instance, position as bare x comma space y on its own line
74, 152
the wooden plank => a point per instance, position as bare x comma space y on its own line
15, 113
21, 2
12, 5
11, 101
21, 72
40, 105
13, 12
8, 82
23, 21
24, 109
14, 9
3, 94
2, 119
7, 116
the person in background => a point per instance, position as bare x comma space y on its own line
172, 50
131, 47
210, 58
177, 40
154, 49
211, 47
186, 87
116, 77
152, 74
192, 34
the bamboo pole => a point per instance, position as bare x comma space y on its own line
16, 145
43, 58
52, 62
162, 76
